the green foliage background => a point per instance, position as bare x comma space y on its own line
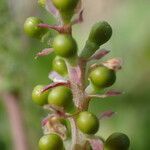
130, 41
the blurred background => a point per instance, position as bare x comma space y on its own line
20, 72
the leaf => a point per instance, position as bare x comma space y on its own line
107, 114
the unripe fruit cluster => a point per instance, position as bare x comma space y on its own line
62, 96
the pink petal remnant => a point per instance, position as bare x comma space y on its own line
52, 124
79, 19
79, 6
44, 52
107, 94
51, 8
99, 54
75, 74
113, 93
96, 144
114, 63
107, 114
55, 77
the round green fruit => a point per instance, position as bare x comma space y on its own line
59, 66
38, 97
61, 96
51, 142
31, 27
102, 77
117, 141
64, 45
65, 5
87, 122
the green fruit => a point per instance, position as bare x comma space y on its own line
64, 45
31, 27
42, 3
100, 33
65, 5
61, 96
38, 97
117, 141
59, 66
102, 77
87, 122
51, 142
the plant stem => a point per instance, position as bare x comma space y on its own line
16, 121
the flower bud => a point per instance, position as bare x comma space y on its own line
100, 34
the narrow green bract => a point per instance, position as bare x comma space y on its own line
99, 34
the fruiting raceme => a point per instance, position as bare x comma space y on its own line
69, 95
